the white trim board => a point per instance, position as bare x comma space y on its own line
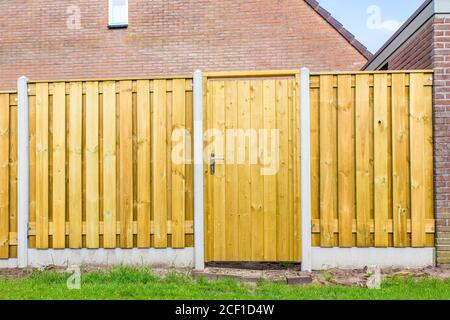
327, 258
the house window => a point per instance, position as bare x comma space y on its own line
118, 14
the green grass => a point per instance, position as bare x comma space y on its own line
132, 283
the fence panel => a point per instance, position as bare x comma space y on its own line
101, 172
8, 175
372, 175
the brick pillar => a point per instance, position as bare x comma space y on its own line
441, 130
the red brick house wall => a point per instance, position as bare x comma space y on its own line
168, 37
441, 114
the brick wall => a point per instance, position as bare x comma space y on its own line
166, 37
441, 113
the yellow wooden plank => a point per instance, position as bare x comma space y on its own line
290, 180
208, 186
419, 139
429, 226
4, 176
92, 165
382, 175
178, 165
346, 160
143, 163
296, 173
189, 227
363, 161
75, 164
428, 158
109, 164
283, 213
126, 164
245, 238
159, 165
42, 183
400, 162
32, 154
218, 179
169, 116
189, 165
231, 173
13, 178
270, 155
59, 164
256, 179
328, 160
315, 160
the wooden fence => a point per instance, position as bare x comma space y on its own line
101, 174
8, 175
100, 161
372, 161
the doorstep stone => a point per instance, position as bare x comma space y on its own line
297, 280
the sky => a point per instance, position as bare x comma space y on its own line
371, 21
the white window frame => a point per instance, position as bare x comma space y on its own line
114, 24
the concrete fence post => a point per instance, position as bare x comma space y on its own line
199, 253
305, 169
23, 178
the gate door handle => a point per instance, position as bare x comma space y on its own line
212, 163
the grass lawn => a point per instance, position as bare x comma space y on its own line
132, 283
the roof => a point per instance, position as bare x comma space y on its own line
340, 28
399, 31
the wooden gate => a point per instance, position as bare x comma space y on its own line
252, 214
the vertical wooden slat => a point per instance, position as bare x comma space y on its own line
428, 155
159, 165
126, 165
4, 176
231, 173
109, 164
270, 181
245, 248
208, 186
256, 179
92, 165
400, 162
59, 165
296, 173
328, 161
32, 154
363, 164
283, 245
143, 163
315, 159
381, 161
13, 156
218, 179
290, 180
346, 160
419, 139
189, 166
42, 183
75, 165
178, 168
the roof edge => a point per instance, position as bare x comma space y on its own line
398, 32
340, 28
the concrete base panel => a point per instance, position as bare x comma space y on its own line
151, 257
326, 258
9, 263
